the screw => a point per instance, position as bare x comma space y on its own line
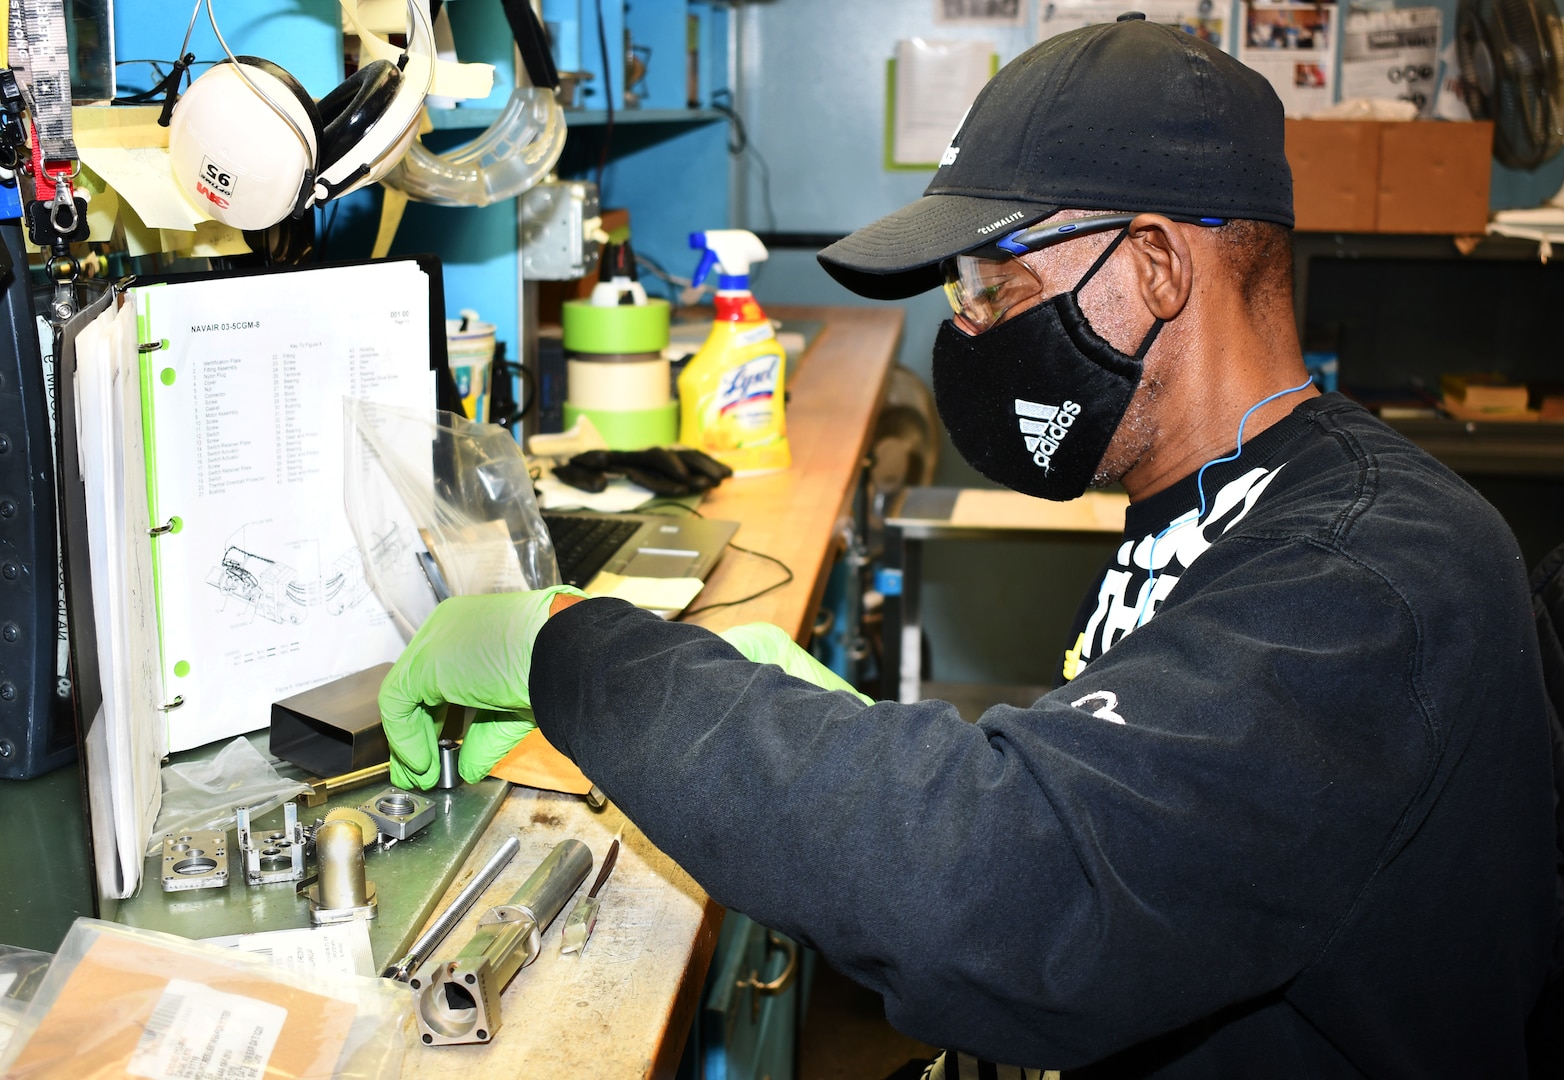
10, 570
7, 508
5, 444
6, 748
7, 691
11, 631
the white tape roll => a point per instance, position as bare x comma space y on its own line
618, 387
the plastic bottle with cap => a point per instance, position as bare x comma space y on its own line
731, 392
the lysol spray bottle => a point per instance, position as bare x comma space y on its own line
730, 393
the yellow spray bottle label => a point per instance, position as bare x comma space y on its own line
731, 392
731, 396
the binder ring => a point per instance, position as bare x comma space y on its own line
159, 530
150, 346
179, 699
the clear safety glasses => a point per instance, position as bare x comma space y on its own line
986, 285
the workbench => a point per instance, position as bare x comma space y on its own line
624, 1007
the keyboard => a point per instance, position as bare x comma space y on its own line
584, 542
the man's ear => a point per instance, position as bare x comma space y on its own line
1164, 268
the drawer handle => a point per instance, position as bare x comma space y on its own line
781, 982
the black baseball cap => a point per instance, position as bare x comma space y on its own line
1130, 116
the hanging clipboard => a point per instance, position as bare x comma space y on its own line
219, 568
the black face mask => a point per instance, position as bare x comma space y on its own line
1033, 403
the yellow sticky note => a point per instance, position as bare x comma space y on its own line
654, 594
453, 80
210, 240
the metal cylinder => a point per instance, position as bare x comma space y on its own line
339, 853
450, 777
552, 884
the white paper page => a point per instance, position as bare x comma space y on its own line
1293, 46
341, 949
1392, 54
262, 590
1204, 19
936, 82
93, 385
141, 728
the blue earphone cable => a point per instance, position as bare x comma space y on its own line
1200, 490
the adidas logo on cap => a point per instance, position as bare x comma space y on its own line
1044, 427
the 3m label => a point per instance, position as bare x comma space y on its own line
197, 1033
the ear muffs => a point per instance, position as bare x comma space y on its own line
295, 88
353, 107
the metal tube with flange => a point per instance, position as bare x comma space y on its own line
403, 969
458, 1001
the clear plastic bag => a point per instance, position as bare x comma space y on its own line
203, 794
21, 973
464, 489
121, 1001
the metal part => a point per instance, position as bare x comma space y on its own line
365, 823
583, 917
277, 856
195, 860
459, 1002
399, 813
321, 790
450, 777
560, 229
596, 799
341, 892
403, 969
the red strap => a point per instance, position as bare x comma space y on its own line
47, 175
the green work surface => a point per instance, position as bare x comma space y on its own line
409, 877
45, 874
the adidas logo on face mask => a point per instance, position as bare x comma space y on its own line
1045, 427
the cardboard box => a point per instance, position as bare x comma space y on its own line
1413, 176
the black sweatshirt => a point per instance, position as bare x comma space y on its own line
1297, 824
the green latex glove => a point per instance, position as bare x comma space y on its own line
767, 644
474, 651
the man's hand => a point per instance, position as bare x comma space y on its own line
474, 651
767, 644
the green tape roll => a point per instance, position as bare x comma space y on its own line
633, 429
627, 328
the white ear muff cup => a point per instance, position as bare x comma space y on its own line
232, 155
349, 111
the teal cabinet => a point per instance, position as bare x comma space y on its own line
752, 1009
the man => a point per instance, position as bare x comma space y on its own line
1290, 815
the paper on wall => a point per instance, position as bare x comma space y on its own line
1392, 54
1293, 46
980, 12
936, 83
1202, 18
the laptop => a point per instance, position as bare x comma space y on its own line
587, 544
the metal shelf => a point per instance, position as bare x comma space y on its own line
1490, 448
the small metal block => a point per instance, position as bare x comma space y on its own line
399, 813
195, 860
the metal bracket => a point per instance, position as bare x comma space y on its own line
399, 813
195, 860
279, 856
